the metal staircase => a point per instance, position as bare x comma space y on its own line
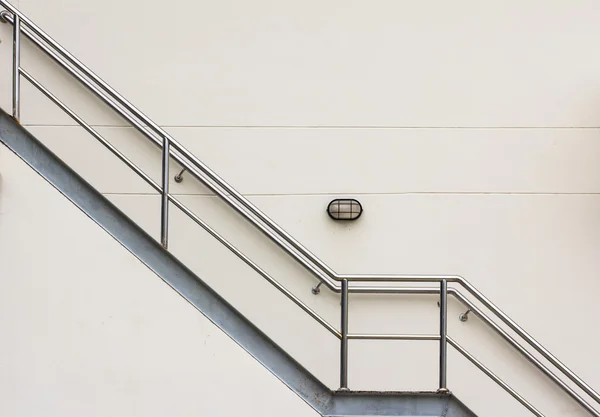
339, 402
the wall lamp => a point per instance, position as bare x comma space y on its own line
344, 209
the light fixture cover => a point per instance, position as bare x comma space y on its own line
344, 209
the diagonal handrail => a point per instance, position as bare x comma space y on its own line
336, 282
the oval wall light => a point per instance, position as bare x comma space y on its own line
344, 209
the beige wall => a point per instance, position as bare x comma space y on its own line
469, 132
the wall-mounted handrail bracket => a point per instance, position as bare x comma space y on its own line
316, 290
443, 336
464, 316
179, 177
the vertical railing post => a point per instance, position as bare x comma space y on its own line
344, 341
16, 81
164, 213
443, 332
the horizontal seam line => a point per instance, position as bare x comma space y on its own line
333, 127
358, 194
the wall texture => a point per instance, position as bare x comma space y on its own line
468, 130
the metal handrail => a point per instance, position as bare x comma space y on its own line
337, 282
185, 158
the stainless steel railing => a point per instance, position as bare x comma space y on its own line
335, 282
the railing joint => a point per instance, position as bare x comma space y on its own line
4, 16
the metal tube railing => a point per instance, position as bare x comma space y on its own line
443, 333
561, 366
264, 223
164, 206
344, 340
16, 79
360, 336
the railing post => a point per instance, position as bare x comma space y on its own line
16, 81
443, 332
344, 341
164, 214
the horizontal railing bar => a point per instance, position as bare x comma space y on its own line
359, 336
402, 278
90, 130
395, 290
254, 266
494, 377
